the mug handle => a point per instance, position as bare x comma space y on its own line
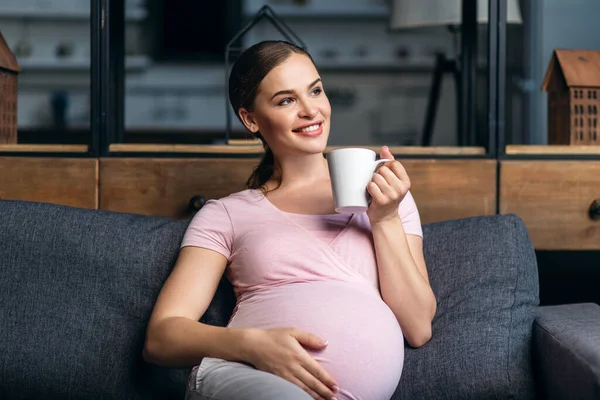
381, 161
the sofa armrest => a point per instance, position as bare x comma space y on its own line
566, 351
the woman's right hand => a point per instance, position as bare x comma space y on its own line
280, 351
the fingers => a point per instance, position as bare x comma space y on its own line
305, 371
308, 339
398, 170
386, 153
375, 191
310, 379
392, 181
305, 387
389, 184
394, 172
385, 187
320, 373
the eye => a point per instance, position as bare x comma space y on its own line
285, 102
317, 91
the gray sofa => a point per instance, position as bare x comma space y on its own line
77, 288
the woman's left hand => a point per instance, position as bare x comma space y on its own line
388, 187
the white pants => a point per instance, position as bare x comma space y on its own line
216, 379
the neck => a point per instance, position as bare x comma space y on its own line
304, 170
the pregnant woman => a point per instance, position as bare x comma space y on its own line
324, 300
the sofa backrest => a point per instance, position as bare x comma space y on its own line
77, 288
483, 271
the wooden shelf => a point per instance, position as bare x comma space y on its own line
425, 150
223, 149
184, 148
551, 149
44, 148
257, 149
69, 181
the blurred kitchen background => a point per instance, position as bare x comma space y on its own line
377, 71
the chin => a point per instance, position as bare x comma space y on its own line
314, 146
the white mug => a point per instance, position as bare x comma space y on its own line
351, 170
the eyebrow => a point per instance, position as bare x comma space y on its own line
289, 91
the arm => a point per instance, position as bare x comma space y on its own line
566, 351
174, 337
403, 279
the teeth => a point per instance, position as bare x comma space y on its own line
309, 128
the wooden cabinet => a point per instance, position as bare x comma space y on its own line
165, 186
553, 198
452, 188
558, 199
443, 189
59, 180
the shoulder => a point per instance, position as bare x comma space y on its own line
221, 220
230, 208
242, 195
240, 200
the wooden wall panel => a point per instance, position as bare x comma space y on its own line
164, 186
66, 181
452, 188
443, 189
553, 198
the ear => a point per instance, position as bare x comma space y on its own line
248, 120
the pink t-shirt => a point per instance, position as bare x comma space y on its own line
315, 273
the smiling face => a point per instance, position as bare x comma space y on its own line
291, 110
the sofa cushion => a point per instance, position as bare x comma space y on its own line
77, 288
483, 271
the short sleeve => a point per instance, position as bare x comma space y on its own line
211, 228
409, 215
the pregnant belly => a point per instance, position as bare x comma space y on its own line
365, 351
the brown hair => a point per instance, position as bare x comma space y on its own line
246, 75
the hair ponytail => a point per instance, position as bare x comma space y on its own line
264, 171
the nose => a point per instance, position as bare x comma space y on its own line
307, 109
